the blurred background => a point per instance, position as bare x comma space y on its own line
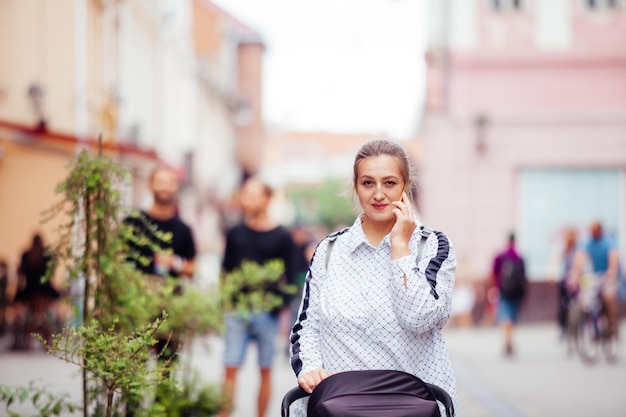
513, 111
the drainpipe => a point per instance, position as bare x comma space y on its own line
445, 53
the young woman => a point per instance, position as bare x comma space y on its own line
375, 303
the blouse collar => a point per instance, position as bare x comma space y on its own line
356, 236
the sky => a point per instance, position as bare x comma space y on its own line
344, 66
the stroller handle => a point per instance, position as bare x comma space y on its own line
296, 393
291, 396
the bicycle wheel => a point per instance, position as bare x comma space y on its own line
571, 328
588, 339
610, 342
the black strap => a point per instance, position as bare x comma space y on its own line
425, 231
329, 249
331, 243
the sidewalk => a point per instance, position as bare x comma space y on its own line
541, 381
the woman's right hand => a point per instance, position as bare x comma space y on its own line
309, 381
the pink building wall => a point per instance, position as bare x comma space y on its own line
503, 104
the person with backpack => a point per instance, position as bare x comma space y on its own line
509, 277
378, 293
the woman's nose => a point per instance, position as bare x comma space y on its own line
378, 194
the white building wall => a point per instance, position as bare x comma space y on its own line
530, 82
141, 75
554, 25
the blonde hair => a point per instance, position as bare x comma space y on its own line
379, 147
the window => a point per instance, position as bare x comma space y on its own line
500, 5
602, 4
552, 199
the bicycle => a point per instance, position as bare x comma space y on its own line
587, 325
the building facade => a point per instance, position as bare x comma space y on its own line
525, 125
162, 82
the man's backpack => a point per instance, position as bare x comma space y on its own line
514, 283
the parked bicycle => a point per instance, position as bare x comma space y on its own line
587, 328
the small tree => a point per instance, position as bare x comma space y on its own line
121, 307
120, 310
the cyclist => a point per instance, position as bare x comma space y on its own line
600, 253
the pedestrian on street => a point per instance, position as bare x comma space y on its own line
509, 277
258, 238
35, 296
600, 254
374, 302
176, 256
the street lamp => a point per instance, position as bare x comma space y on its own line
36, 96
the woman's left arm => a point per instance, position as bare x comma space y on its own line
422, 289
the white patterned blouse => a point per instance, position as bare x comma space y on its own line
357, 314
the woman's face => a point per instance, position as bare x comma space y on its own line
379, 182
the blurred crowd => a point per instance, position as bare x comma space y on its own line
32, 296
581, 252
34, 299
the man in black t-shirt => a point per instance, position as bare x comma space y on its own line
177, 254
258, 239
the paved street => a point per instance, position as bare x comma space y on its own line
541, 381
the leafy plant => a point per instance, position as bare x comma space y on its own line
93, 244
116, 362
122, 308
46, 403
324, 204
191, 399
253, 287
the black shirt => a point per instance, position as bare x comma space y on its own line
34, 272
181, 240
243, 243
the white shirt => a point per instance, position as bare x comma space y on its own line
359, 315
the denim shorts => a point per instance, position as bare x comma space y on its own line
260, 327
508, 310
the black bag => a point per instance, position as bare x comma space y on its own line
372, 393
514, 282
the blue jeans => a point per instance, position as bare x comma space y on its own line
261, 327
508, 310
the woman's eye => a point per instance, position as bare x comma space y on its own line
390, 183
367, 183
